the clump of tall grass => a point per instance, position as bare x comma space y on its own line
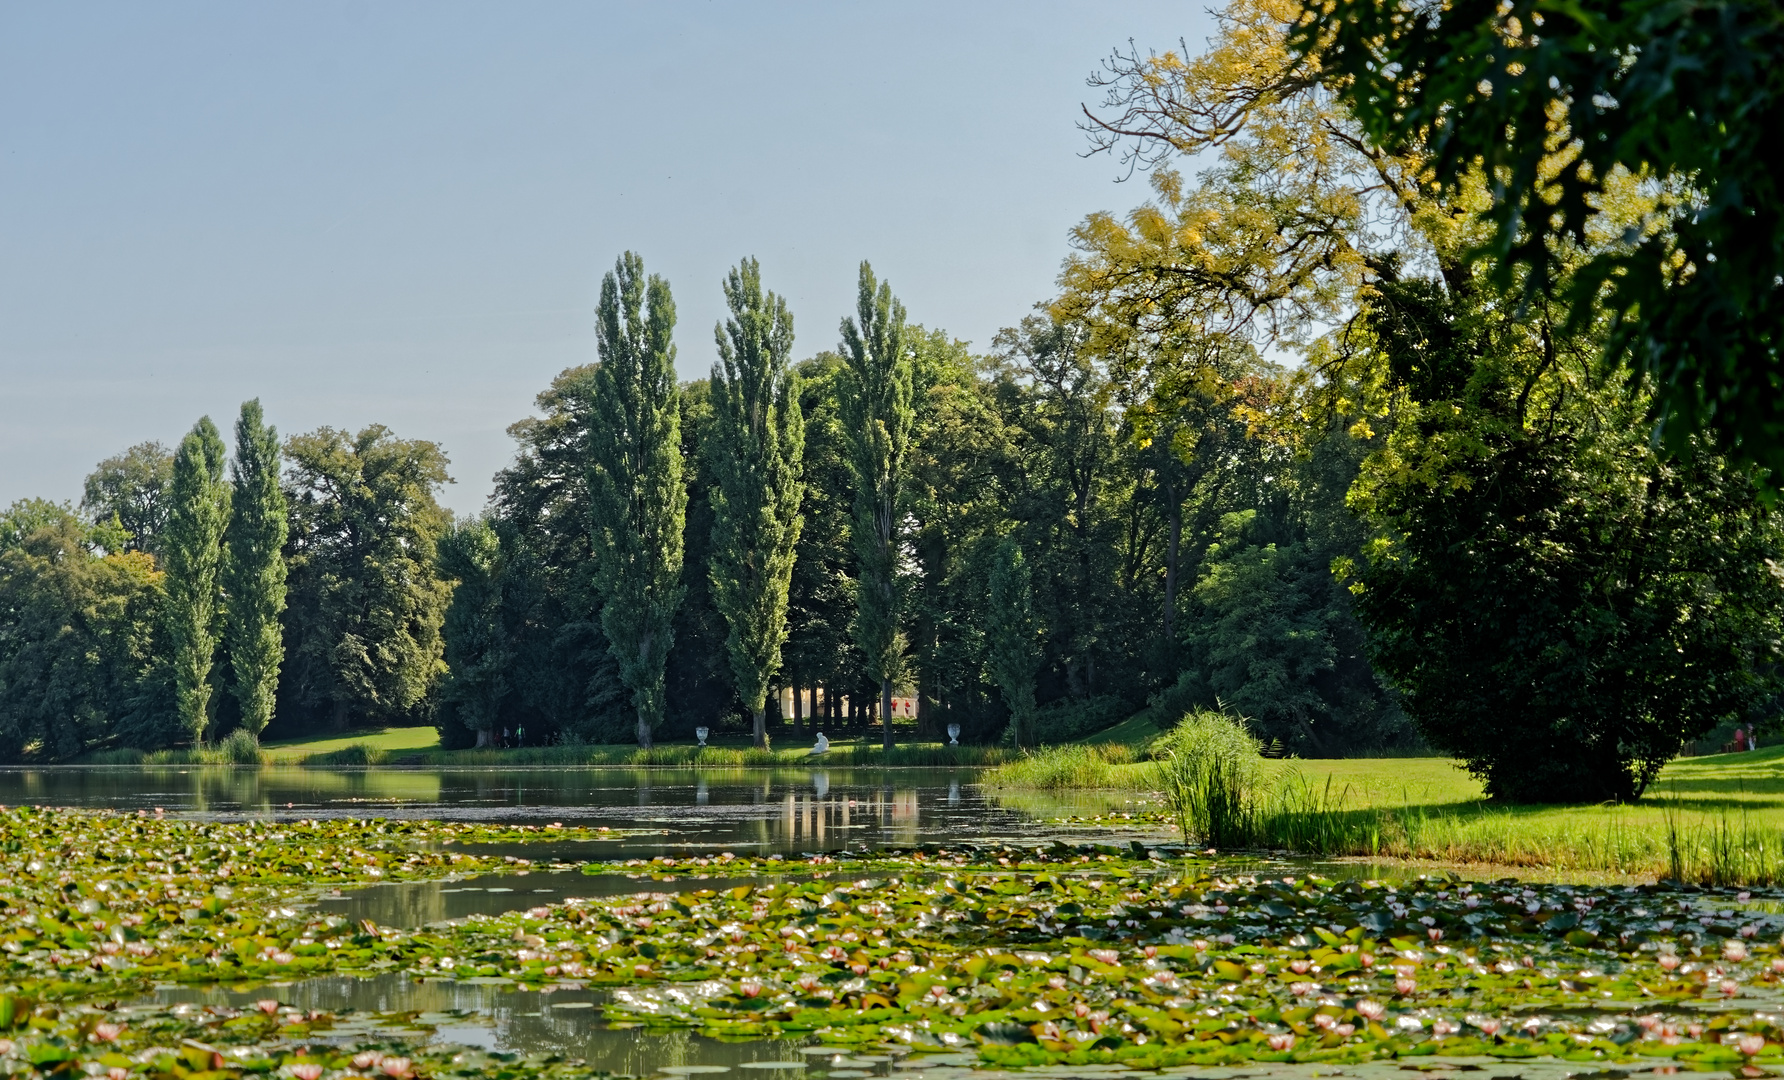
237, 748
119, 755
1074, 765
240, 747
352, 755
1210, 770
931, 756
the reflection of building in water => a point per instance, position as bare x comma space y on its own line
815, 702
813, 817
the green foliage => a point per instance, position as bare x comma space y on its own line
1210, 770
26, 516
876, 415
638, 498
1070, 504
1013, 653
1055, 768
564, 678
77, 635
1271, 634
240, 747
132, 487
478, 653
1559, 104
192, 552
757, 446
364, 602
254, 571
820, 601
1561, 606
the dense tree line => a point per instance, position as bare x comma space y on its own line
1295, 439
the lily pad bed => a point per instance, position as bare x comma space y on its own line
1060, 956
270, 1040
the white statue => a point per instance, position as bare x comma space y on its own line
823, 746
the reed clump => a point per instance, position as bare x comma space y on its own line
1074, 765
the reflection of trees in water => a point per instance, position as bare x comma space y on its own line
503, 1018
670, 811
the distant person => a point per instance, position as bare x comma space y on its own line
823, 746
520, 735
1740, 740
504, 738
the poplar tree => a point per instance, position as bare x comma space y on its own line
1013, 652
191, 550
254, 567
638, 497
760, 443
877, 415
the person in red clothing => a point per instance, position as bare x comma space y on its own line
1740, 740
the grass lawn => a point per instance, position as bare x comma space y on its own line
1715, 818
387, 740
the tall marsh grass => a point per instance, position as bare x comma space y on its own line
1209, 770
237, 748
1074, 765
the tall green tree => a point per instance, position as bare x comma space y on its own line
877, 416
192, 549
1562, 607
365, 598
77, 635
759, 437
479, 655
254, 569
1013, 653
820, 601
564, 678
638, 499
1560, 104
132, 486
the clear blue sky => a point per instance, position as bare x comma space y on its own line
400, 212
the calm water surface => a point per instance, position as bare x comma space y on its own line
656, 811
652, 811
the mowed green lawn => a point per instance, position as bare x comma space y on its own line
1710, 818
387, 739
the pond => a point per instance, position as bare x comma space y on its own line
655, 811
777, 819
650, 811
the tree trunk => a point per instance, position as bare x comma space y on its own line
340, 715
643, 730
886, 710
798, 728
812, 712
760, 730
